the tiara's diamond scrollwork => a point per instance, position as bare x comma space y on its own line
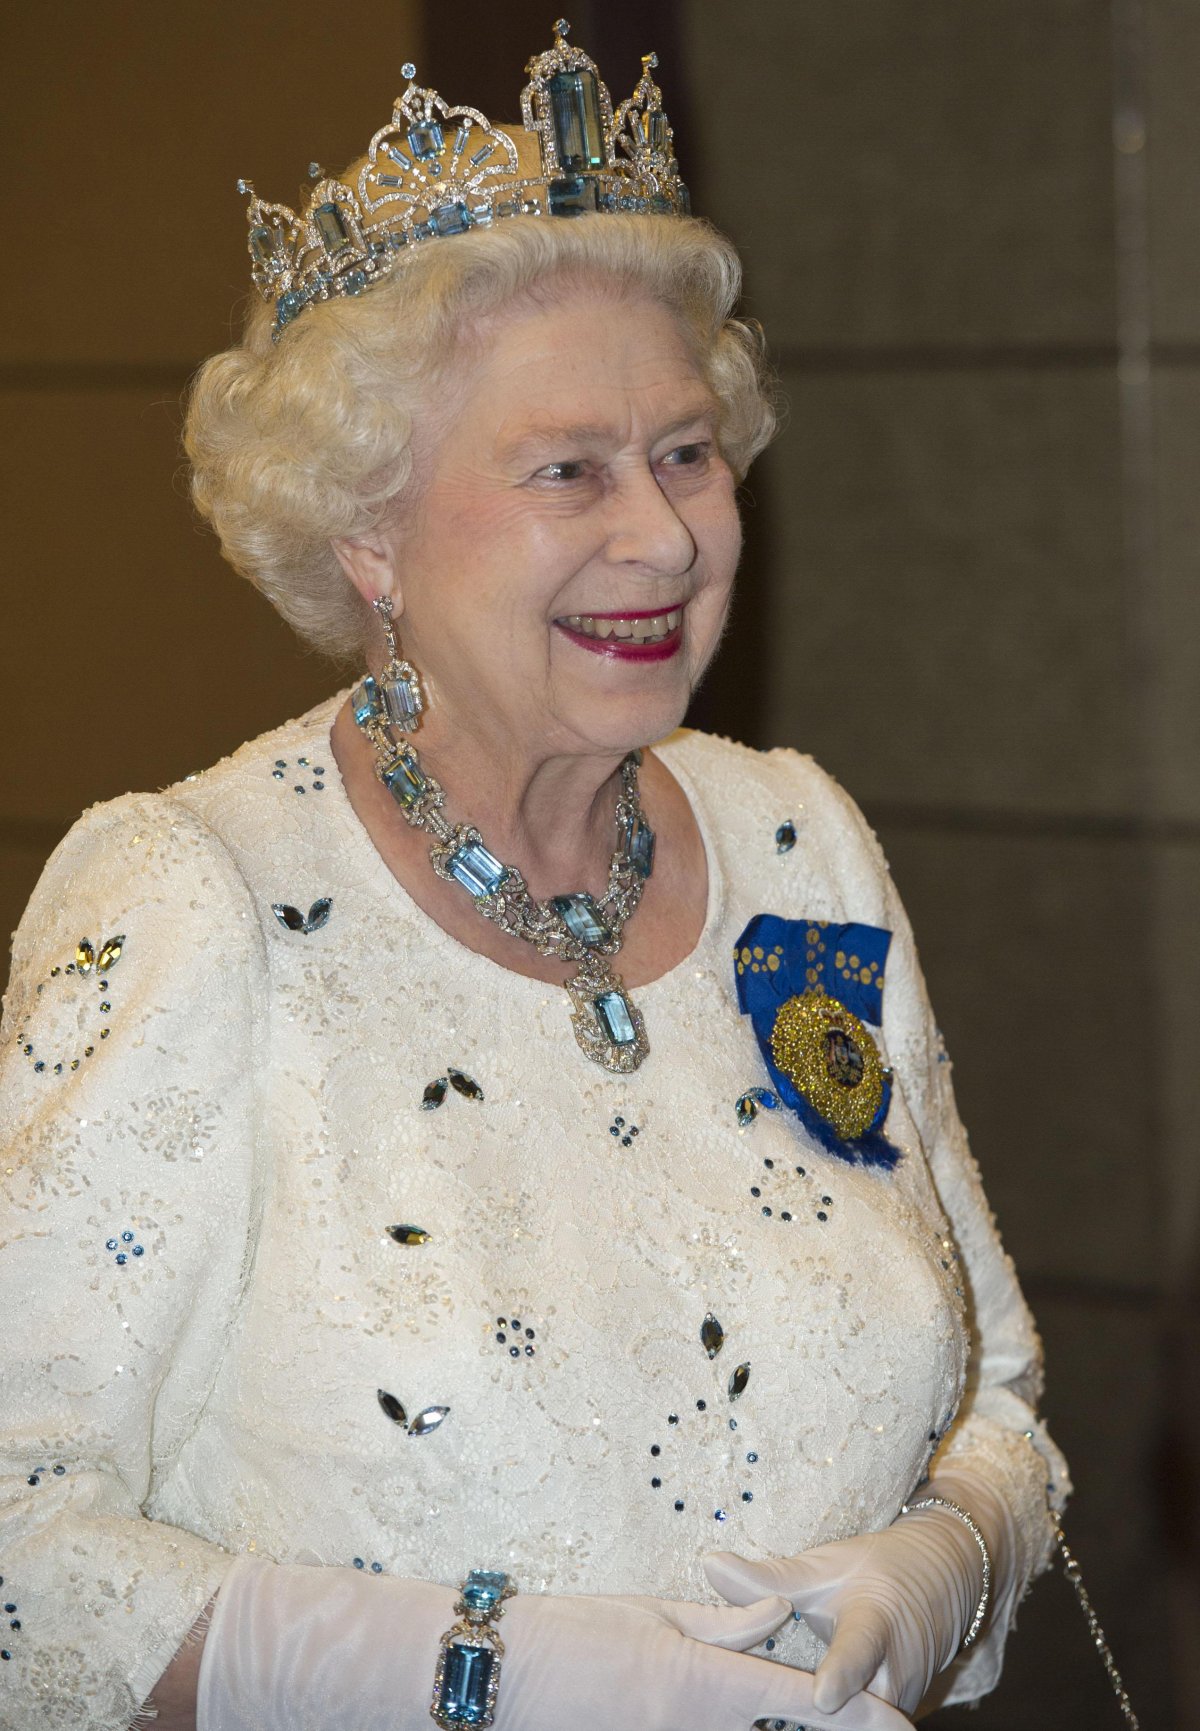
434, 171
643, 134
272, 242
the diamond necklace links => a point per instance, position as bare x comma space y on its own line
575, 928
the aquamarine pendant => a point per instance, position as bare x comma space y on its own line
608, 1025
615, 1013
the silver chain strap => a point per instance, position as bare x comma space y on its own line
1099, 1640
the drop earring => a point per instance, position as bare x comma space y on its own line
399, 686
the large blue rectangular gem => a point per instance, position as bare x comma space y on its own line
331, 228
572, 196
464, 1690
365, 701
578, 914
578, 130
400, 701
404, 781
476, 869
613, 1011
484, 1589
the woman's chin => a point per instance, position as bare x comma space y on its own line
622, 723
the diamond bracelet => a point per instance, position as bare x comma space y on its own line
973, 1528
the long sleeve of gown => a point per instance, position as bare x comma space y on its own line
127, 1134
996, 1430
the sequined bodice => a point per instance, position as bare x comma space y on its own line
621, 1327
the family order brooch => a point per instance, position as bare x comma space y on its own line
810, 988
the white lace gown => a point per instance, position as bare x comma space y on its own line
206, 1140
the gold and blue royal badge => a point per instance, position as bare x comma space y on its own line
810, 988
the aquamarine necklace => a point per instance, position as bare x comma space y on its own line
576, 928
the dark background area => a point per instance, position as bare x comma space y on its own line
972, 231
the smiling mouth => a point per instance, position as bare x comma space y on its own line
642, 628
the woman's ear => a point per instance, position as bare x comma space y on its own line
370, 564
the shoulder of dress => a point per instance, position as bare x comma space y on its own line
124, 837
230, 798
739, 772
296, 745
142, 858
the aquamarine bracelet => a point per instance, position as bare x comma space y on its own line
467, 1679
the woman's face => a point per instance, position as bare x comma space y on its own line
565, 575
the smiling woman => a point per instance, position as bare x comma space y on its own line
351, 399
443, 1224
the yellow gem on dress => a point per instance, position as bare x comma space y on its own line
831, 1060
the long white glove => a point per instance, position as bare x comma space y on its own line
292, 1648
893, 1606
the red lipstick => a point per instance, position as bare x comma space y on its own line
628, 648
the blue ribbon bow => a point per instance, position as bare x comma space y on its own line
777, 959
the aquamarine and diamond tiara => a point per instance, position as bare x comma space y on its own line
434, 171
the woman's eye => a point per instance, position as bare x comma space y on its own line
688, 456
562, 471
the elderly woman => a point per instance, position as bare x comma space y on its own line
499, 1144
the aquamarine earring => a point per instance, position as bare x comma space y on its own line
399, 686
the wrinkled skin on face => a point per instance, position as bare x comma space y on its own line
571, 471
578, 474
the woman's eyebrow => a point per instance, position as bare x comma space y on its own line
590, 435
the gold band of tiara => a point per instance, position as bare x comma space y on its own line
435, 171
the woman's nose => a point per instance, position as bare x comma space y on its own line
647, 531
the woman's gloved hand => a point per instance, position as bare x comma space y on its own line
292, 1648
892, 1606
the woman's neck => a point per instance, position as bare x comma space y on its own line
549, 814
557, 855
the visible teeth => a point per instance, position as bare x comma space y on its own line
649, 630
656, 627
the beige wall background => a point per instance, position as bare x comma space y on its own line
973, 234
